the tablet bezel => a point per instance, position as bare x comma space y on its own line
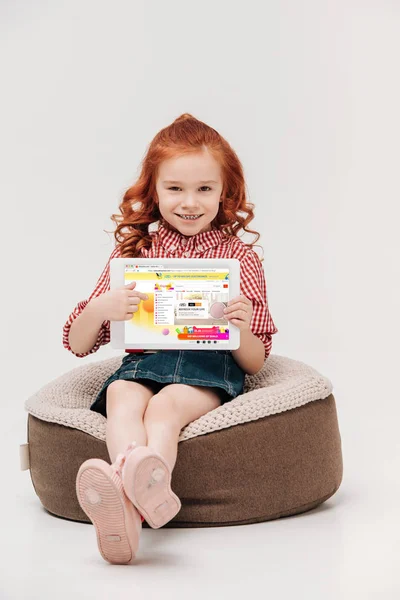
117, 280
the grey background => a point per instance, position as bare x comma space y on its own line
308, 95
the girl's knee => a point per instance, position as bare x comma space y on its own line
162, 407
127, 397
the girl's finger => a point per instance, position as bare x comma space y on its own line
238, 305
237, 313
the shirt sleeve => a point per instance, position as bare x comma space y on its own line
253, 286
102, 285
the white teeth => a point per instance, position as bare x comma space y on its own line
192, 217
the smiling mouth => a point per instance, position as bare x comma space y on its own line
189, 217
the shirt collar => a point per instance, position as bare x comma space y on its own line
171, 239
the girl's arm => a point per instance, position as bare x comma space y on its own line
85, 331
250, 354
88, 331
253, 286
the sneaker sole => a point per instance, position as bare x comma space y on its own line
155, 500
117, 523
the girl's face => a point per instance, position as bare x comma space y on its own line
189, 185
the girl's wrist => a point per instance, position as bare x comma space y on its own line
95, 306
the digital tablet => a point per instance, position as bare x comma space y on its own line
184, 310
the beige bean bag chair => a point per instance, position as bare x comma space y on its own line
272, 452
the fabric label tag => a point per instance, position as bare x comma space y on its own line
24, 457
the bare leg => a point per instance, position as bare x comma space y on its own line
163, 438
167, 412
126, 404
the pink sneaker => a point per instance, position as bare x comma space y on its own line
117, 522
146, 478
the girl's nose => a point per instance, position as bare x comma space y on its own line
189, 200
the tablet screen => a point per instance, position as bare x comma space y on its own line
184, 306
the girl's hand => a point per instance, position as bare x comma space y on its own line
239, 310
119, 304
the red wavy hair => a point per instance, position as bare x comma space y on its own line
138, 207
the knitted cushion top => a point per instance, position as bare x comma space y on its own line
282, 384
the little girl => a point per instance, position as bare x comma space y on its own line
192, 185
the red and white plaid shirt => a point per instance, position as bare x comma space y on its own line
168, 243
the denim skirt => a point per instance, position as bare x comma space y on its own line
215, 369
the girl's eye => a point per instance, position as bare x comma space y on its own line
174, 187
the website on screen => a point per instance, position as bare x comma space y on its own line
183, 305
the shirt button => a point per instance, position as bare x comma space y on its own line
186, 254
172, 248
200, 247
184, 242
